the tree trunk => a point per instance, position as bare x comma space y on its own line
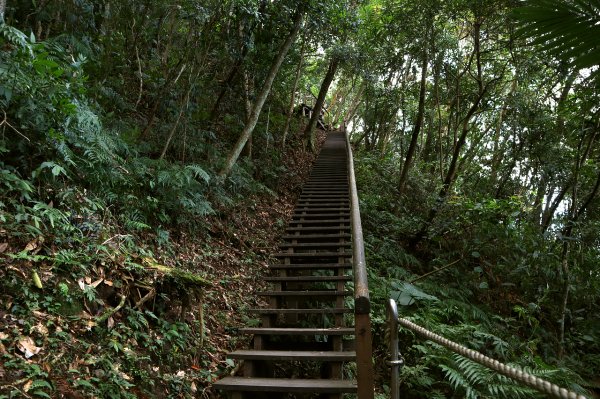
460, 140
355, 103
417, 128
564, 270
247, 151
290, 112
214, 112
183, 106
2, 11
164, 89
262, 97
308, 132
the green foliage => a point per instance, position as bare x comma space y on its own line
568, 30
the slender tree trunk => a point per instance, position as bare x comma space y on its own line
183, 106
460, 140
262, 97
165, 89
308, 132
290, 112
564, 264
214, 112
551, 208
417, 128
247, 151
2, 10
354, 105
498, 151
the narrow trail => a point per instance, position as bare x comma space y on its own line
306, 339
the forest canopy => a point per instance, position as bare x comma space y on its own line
133, 135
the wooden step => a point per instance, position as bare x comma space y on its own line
307, 245
309, 293
316, 236
320, 356
300, 209
323, 254
246, 384
298, 331
329, 201
303, 311
308, 279
318, 228
306, 266
324, 190
326, 185
320, 215
321, 222
324, 196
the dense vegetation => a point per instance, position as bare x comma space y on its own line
144, 144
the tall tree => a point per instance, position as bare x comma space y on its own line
262, 96
418, 121
316, 112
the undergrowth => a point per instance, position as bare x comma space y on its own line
466, 300
115, 262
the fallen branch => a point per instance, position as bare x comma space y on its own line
104, 316
5, 122
146, 298
436, 270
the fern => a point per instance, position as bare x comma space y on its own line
199, 172
16, 38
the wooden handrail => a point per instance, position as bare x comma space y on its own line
362, 303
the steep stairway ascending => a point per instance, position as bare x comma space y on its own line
305, 340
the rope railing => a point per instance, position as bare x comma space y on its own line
516, 374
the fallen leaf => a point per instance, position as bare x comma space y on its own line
31, 245
36, 280
108, 282
28, 347
96, 283
37, 313
3, 247
41, 329
3, 336
27, 386
89, 325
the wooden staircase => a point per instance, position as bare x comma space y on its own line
307, 338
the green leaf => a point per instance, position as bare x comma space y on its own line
408, 293
83, 383
40, 384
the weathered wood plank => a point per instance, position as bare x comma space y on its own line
286, 385
322, 356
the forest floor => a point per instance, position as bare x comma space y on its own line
127, 325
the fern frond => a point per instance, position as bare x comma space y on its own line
198, 172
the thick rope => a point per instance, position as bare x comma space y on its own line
511, 372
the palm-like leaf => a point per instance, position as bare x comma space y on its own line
568, 30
